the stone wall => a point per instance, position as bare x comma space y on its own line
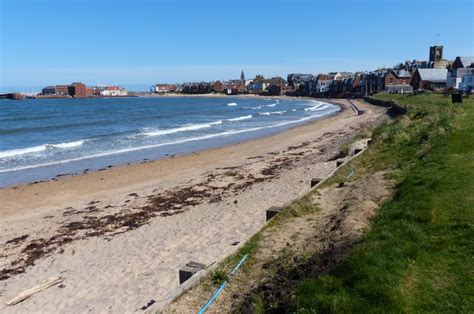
394, 108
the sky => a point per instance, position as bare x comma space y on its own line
142, 42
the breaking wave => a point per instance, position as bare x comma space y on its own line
184, 128
318, 107
272, 113
241, 118
39, 148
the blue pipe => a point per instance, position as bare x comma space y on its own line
236, 268
214, 296
350, 174
203, 309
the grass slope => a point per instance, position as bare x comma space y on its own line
418, 255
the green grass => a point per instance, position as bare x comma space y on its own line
418, 255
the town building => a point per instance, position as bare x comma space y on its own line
397, 81
196, 88
218, 87
234, 87
296, 79
467, 81
436, 58
429, 79
277, 86
49, 90
114, 91
77, 90
163, 88
356, 83
322, 83
56, 90
463, 62
258, 85
456, 75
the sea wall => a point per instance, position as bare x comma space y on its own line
395, 108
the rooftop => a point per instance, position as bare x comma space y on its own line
433, 75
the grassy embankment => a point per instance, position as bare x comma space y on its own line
418, 254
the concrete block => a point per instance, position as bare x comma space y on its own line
340, 162
315, 181
272, 211
196, 265
189, 270
185, 273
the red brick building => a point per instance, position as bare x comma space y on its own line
61, 90
429, 79
77, 89
398, 81
399, 77
218, 87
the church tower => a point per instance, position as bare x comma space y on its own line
436, 53
242, 76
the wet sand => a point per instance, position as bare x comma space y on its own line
118, 237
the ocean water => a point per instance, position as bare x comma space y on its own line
43, 138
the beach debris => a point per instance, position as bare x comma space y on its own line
17, 239
188, 270
47, 283
150, 303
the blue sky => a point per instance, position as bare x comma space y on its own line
140, 42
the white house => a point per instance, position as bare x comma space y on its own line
460, 68
112, 91
323, 82
467, 80
455, 77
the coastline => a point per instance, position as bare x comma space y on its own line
221, 95
101, 162
131, 227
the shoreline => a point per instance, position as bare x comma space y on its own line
87, 169
126, 231
221, 95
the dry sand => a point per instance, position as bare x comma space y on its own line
118, 237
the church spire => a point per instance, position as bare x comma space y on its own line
242, 76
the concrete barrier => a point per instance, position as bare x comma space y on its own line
355, 108
272, 211
315, 181
357, 150
339, 162
189, 270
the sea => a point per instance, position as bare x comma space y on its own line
41, 139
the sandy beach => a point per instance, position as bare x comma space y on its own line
117, 237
